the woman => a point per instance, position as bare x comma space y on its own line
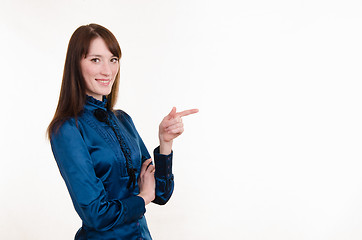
101, 157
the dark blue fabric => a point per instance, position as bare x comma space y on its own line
93, 167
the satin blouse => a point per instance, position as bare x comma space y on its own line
94, 169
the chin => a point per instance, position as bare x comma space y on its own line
105, 92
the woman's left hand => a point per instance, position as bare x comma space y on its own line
172, 126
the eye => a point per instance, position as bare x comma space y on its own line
114, 60
95, 60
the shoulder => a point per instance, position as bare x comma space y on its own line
125, 119
122, 115
68, 127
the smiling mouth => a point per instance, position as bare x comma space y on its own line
104, 82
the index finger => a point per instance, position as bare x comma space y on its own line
187, 112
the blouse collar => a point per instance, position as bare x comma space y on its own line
92, 103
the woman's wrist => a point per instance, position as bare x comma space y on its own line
145, 199
165, 147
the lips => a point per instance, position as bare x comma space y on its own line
104, 82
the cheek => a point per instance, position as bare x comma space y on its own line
90, 71
86, 71
115, 71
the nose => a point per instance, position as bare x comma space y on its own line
106, 69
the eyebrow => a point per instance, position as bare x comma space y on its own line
95, 55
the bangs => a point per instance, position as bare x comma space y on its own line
95, 31
110, 41
113, 46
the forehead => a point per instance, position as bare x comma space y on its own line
98, 47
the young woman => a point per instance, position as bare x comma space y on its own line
107, 169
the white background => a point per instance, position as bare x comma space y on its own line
275, 151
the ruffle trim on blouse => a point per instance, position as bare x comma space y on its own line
90, 99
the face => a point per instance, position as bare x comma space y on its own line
99, 69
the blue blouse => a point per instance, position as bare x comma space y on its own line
93, 166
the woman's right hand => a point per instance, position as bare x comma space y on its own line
146, 181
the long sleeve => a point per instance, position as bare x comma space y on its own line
163, 176
86, 189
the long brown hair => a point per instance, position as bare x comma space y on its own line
73, 90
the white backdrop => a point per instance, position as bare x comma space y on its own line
275, 151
